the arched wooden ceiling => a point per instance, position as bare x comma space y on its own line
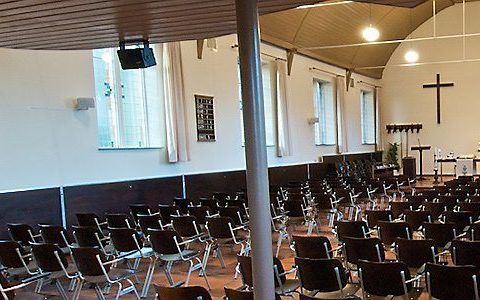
342, 24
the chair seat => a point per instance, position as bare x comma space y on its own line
187, 254
349, 290
115, 274
289, 286
144, 252
71, 270
32, 266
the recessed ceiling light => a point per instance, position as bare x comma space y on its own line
411, 56
371, 34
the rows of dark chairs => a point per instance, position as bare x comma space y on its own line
371, 218
107, 252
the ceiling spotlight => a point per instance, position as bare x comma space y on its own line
411, 56
371, 34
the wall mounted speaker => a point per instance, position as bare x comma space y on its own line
84, 103
136, 58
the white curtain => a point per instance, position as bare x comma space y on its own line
379, 133
283, 134
342, 145
175, 116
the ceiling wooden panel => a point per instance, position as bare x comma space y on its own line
342, 24
83, 24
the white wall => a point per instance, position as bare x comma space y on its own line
404, 100
44, 142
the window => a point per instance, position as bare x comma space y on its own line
367, 104
129, 103
324, 106
269, 86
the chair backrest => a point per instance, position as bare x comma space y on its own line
139, 209
118, 220
232, 212
398, 207
245, 265
293, 208
415, 253
466, 252
312, 246
363, 248
389, 231
44, 254
21, 233
460, 218
85, 259
87, 219
321, 274
475, 232
218, 227
384, 278
210, 203
440, 233
435, 208
184, 293
357, 229
54, 234
451, 282
415, 218
85, 236
184, 225
473, 207
167, 211
200, 212
373, 216
163, 242
149, 221
125, 239
236, 294
449, 200
182, 204
8, 254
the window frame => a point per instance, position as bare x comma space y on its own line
270, 64
316, 88
363, 92
119, 129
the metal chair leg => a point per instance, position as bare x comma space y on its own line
61, 290
148, 278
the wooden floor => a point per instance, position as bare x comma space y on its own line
217, 276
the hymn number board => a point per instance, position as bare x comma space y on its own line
205, 118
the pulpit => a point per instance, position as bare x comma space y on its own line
420, 149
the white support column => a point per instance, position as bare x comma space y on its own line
255, 148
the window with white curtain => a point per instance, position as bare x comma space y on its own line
129, 104
367, 104
269, 86
324, 106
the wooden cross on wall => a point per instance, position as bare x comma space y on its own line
438, 85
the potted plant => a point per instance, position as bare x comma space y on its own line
392, 156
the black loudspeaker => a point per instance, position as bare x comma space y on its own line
136, 58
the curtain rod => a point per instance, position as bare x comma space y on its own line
264, 53
324, 71
369, 84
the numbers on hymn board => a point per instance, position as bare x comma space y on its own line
205, 118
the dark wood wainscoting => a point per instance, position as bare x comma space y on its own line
284, 174
199, 185
31, 207
116, 197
